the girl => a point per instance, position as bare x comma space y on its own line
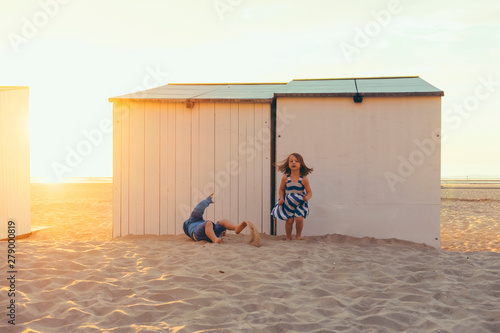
294, 194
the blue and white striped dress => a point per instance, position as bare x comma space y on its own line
294, 203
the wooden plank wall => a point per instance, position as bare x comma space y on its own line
168, 157
14, 160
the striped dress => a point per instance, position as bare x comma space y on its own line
294, 203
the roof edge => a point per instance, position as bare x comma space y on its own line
370, 94
192, 100
360, 78
394, 94
277, 95
227, 84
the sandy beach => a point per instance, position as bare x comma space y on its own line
470, 217
73, 277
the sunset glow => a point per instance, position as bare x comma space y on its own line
73, 67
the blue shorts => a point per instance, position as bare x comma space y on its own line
197, 229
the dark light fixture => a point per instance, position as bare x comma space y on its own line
357, 98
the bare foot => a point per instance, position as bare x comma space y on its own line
299, 238
218, 240
240, 227
288, 238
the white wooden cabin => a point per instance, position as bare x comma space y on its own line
14, 161
377, 163
174, 145
374, 144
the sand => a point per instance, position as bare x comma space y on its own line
332, 283
470, 217
254, 238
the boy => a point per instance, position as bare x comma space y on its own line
199, 229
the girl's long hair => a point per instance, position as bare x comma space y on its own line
284, 168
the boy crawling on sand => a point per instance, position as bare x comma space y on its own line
199, 229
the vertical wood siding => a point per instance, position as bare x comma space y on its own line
152, 169
137, 163
168, 157
14, 161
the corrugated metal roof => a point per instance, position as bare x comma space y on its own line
404, 86
207, 92
244, 92
380, 86
262, 92
318, 87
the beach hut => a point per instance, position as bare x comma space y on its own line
14, 162
176, 144
374, 144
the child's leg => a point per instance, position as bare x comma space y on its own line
289, 228
230, 226
209, 231
299, 224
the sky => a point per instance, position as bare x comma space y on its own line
75, 54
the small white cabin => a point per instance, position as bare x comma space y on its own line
14, 162
174, 145
374, 144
